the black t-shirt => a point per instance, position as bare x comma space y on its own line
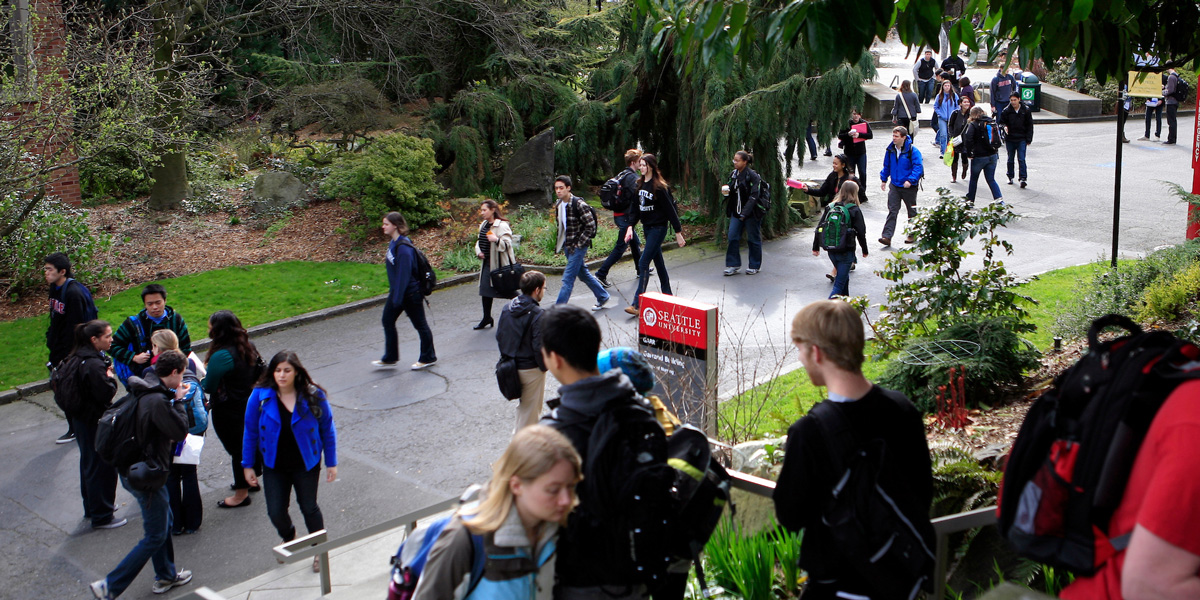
287, 453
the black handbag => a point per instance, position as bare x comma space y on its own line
508, 378
506, 280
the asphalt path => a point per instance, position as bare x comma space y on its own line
408, 439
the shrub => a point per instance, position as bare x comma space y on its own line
1167, 298
113, 176
753, 566
393, 172
51, 227
462, 259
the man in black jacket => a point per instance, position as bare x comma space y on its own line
954, 63
161, 422
70, 304
829, 336
853, 141
1018, 128
519, 335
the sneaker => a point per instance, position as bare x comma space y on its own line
631, 310
1124, 140
112, 524
100, 589
65, 438
1168, 143
910, 240
380, 363
752, 271
1144, 139
603, 281
1023, 184
1158, 138
162, 587
600, 304
417, 366
828, 152
814, 157
732, 271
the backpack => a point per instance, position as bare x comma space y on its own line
116, 434
995, 134
591, 209
122, 370
701, 489
1068, 468
409, 560
1182, 90
196, 407
837, 230
885, 547
90, 312
65, 383
426, 277
764, 196
612, 191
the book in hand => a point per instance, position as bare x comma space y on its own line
861, 128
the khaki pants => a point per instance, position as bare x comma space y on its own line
533, 391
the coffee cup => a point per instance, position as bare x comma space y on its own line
724, 190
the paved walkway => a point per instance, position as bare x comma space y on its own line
408, 439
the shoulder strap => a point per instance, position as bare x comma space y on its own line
478, 561
839, 437
904, 102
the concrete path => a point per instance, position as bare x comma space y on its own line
409, 439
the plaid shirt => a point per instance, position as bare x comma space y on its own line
581, 225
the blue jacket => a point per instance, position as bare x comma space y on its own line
313, 434
903, 167
401, 261
945, 108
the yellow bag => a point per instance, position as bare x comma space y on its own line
665, 417
948, 157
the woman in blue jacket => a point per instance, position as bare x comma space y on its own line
289, 422
404, 296
944, 106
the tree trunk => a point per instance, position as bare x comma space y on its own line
170, 182
170, 178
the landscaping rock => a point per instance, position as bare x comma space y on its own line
749, 456
529, 174
276, 190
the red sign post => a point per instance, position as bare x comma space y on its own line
1193, 227
678, 337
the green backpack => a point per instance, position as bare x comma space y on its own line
837, 230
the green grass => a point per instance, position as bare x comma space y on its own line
257, 294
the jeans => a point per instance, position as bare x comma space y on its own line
413, 305
841, 282
1016, 149
618, 251
577, 268
926, 90
1157, 112
1172, 123
896, 195
752, 227
860, 163
652, 252
97, 480
811, 141
277, 488
155, 545
986, 164
943, 135
184, 489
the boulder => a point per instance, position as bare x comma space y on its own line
748, 456
276, 190
529, 174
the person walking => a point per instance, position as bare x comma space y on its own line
70, 305
131, 342
1017, 122
183, 485
1170, 91
655, 210
979, 148
404, 296
521, 510
901, 164
829, 189
955, 66
958, 125
846, 212
923, 72
745, 215
966, 90
233, 365
161, 422
576, 228
853, 142
290, 424
626, 196
496, 249
519, 336
93, 386
1003, 84
905, 109
944, 107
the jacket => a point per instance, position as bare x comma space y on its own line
954, 63
515, 568
580, 227
160, 420
229, 376
923, 69
1018, 123
70, 305
856, 220
313, 434
958, 123
1169, 89
849, 144
902, 166
975, 139
1002, 87
401, 265
655, 208
829, 188
96, 388
744, 190
519, 332
628, 178
500, 252
910, 100
133, 336
945, 106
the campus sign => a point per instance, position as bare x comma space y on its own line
679, 339
1145, 84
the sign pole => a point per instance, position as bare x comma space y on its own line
1193, 223
1121, 114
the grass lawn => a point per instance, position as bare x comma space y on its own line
257, 294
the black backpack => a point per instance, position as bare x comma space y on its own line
1182, 90
1071, 461
701, 492
65, 383
886, 543
116, 434
612, 193
426, 277
994, 133
764, 195
837, 229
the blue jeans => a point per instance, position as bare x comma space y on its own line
926, 90
986, 164
577, 267
841, 282
414, 306
1016, 148
618, 251
752, 227
811, 141
652, 252
155, 545
943, 135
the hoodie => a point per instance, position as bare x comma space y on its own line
519, 332
70, 305
160, 420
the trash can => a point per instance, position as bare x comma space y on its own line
1030, 89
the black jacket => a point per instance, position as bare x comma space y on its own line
629, 192
829, 188
96, 388
856, 220
957, 124
975, 139
744, 190
70, 305
1019, 123
519, 332
847, 143
954, 63
160, 420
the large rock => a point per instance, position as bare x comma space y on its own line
276, 190
529, 174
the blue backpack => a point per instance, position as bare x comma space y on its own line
122, 370
196, 406
409, 561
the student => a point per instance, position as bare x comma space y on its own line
233, 367
1003, 85
966, 90
1154, 106
96, 386
656, 210
1169, 91
131, 342
983, 155
70, 305
495, 249
161, 422
183, 485
1018, 128
958, 125
519, 335
404, 296
843, 259
923, 72
829, 337
852, 141
902, 164
905, 109
290, 424
526, 502
628, 194
745, 215
955, 66
576, 228
944, 107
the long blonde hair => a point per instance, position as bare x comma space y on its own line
848, 193
533, 451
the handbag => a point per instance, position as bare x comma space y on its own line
506, 280
508, 378
187, 452
913, 124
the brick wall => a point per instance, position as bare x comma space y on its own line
49, 40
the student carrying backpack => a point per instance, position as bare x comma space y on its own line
836, 229
426, 276
614, 194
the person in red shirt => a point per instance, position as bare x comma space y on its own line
1161, 507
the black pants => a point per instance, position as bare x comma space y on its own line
97, 480
277, 487
1172, 123
228, 420
187, 511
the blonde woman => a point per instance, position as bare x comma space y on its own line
495, 249
530, 494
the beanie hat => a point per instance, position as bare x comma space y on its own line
631, 363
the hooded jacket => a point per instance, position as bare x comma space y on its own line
975, 139
745, 187
519, 332
902, 166
160, 420
401, 265
96, 388
1018, 123
70, 305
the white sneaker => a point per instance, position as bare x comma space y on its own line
1158, 138
417, 366
599, 305
732, 271
1143, 139
100, 589
164, 586
752, 271
381, 364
